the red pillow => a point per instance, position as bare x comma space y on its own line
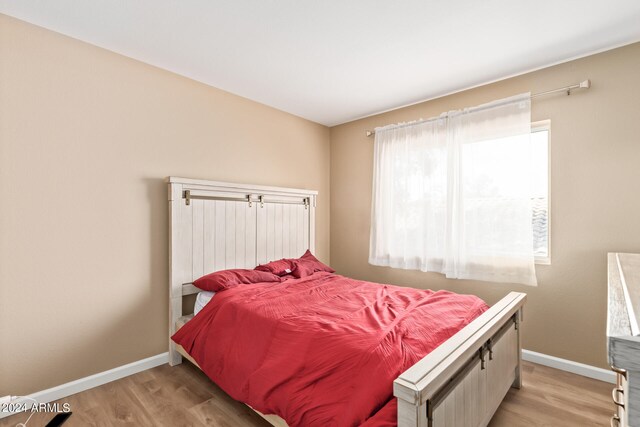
225, 279
279, 268
308, 264
302, 269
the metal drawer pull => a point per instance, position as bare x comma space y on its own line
615, 394
615, 421
620, 371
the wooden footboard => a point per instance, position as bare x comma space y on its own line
463, 381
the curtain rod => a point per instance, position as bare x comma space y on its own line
585, 84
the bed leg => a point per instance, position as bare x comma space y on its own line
175, 358
175, 311
517, 382
411, 414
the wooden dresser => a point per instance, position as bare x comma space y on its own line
623, 336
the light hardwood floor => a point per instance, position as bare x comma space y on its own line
184, 396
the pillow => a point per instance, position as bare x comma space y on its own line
225, 279
302, 269
279, 268
307, 264
202, 299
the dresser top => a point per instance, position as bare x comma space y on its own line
624, 295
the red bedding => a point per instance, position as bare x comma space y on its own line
322, 350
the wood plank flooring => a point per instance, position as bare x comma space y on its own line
554, 398
184, 396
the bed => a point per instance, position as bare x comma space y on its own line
217, 226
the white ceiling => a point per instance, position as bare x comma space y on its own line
332, 61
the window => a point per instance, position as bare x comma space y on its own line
453, 194
540, 137
481, 157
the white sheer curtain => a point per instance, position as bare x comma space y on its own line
453, 194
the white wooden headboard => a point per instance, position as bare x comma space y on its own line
217, 225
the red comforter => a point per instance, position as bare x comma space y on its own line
322, 350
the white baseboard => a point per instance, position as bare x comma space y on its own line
96, 380
569, 366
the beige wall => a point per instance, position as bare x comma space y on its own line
86, 139
595, 203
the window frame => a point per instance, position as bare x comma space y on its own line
539, 126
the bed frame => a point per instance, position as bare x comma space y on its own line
217, 225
